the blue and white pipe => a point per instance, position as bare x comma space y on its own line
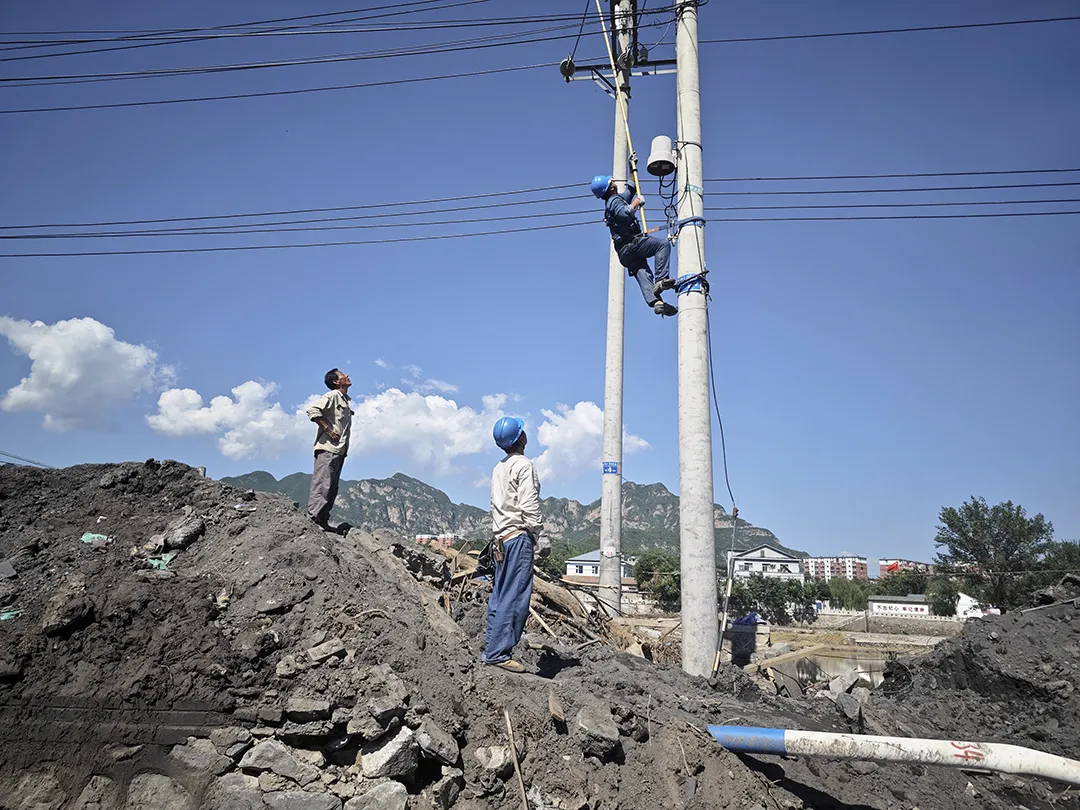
998, 757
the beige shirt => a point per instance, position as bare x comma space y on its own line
515, 499
333, 406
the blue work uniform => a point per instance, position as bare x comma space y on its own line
634, 247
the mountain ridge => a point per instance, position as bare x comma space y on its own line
410, 506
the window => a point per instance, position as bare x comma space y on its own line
768, 567
744, 566
786, 569
596, 569
579, 569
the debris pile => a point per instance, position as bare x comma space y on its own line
218, 652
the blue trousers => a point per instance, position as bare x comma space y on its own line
508, 605
635, 258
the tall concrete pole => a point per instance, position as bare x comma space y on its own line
696, 538
610, 590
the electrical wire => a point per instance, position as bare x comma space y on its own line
887, 176
271, 93
584, 17
879, 31
27, 460
399, 10
289, 212
230, 248
891, 190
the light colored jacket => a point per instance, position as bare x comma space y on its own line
334, 407
515, 500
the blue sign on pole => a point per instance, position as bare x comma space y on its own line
611, 468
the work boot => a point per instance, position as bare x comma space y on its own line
662, 285
510, 665
664, 308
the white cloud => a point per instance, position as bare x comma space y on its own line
432, 386
381, 363
246, 425
574, 441
79, 371
414, 370
430, 431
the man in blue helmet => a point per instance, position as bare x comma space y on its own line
516, 524
634, 247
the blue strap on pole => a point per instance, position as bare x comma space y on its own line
694, 282
749, 739
696, 221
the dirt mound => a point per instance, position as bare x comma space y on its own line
171, 642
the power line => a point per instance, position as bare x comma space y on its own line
317, 224
269, 93
887, 176
486, 195
356, 242
228, 248
427, 49
875, 32
27, 460
888, 190
395, 13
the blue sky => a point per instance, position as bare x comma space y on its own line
870, 372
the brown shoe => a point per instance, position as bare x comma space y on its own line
510, 665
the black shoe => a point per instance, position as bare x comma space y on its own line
663, 308
662, 285
322, 524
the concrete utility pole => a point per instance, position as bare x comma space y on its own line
610, 591
696, 529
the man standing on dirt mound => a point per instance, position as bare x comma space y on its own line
516, 524
332, 412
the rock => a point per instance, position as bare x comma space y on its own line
861, 694
153, 791
38, 791
394, 755
228, 736
436, 743
271, 755
848, 705
384, 708
320, 652
496, 759
271, 715
843, 683
182, 532
385, 682
301, 800
234, 752
368, 727
384, 796
270, 782
316, 728
597, 732
446, 791
9, 592
304, 710
201, 755
288, 667
7, 570
246, 714
862, 767
66, 613
11, 669
280, 602
236, 791
98, 794
121, 752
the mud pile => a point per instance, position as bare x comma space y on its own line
170, 642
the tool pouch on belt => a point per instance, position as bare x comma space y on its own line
485, 563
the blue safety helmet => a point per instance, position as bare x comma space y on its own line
507, 430
600, 185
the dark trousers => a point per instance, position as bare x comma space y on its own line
635, 258
324, 484
508, 605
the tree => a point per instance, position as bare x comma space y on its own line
942, 596
657, 574
846, 594
901, 583
990, 544
779, 601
